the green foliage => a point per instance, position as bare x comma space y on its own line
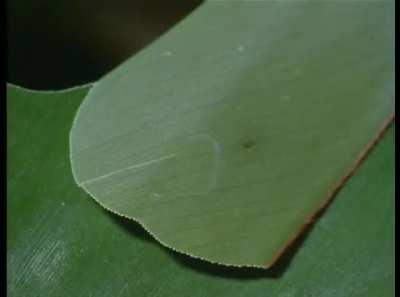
223, 144
61, 243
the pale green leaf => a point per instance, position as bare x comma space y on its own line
224, 137
60, 243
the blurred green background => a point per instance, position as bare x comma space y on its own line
59, 44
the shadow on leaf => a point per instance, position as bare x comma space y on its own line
227, 272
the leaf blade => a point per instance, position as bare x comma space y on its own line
175, 156
102, 256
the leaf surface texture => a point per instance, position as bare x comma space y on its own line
60, 243
226, 135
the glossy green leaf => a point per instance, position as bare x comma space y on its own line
61, 243
225, 136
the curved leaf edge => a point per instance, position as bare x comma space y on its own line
310, 220
78, 87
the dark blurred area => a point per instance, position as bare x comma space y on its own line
59, 44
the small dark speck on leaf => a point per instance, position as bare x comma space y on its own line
248, 144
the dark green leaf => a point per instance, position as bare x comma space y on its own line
61, 243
